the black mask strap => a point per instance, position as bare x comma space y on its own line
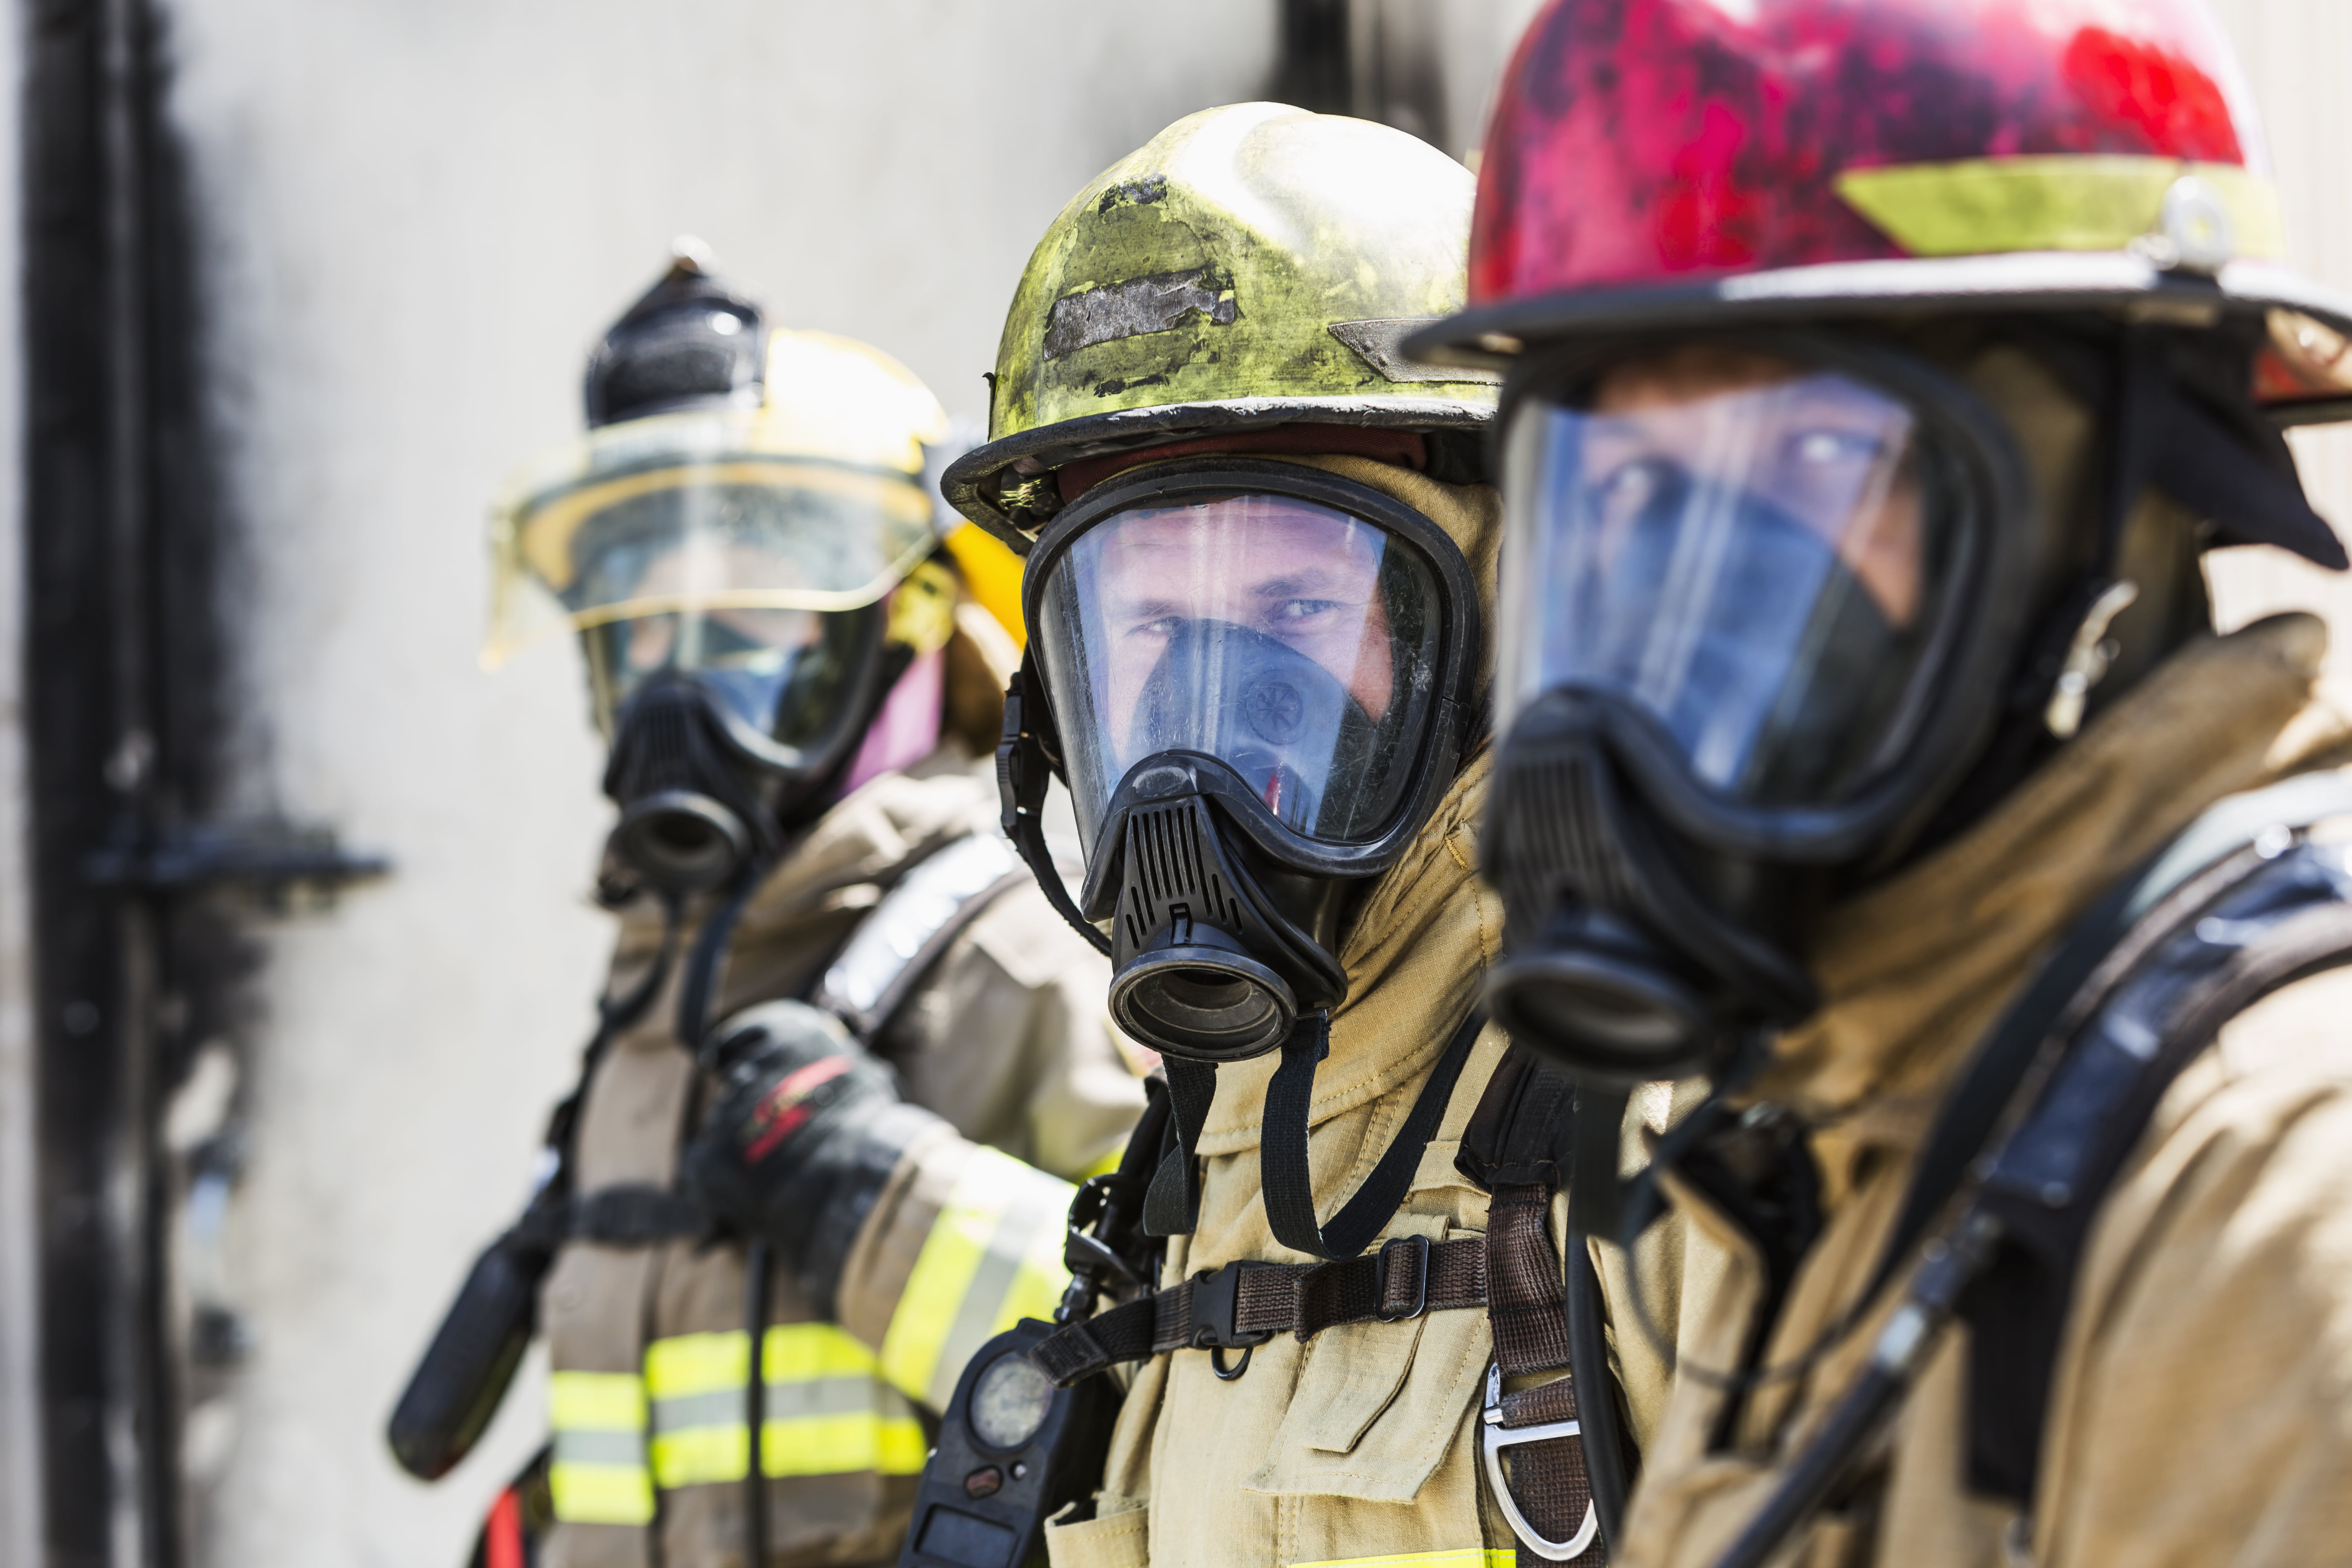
1595, 1192
1172, 1205
701, 985
1284, 1173
1024, 770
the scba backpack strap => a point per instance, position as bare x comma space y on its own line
916, 922
2048, 1114
1516, 1148
2289, 919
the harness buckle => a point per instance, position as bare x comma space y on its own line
1420, 1246
1216, 1307
1493, 1439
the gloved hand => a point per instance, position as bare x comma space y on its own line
803, 1135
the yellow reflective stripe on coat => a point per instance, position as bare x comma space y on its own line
825, 1412
1466, 1557
597, 1473
993, 1257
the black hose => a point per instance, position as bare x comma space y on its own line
1596, 1394
698, 988
1948, 1263
1818, 1469
755, 1406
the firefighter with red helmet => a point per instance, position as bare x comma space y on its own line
1878, 373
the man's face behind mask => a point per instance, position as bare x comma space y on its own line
1288, 640
1736, 545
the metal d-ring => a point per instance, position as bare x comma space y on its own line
1217, 1362
1498, 1437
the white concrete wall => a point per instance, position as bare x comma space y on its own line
420, 213
2296, 53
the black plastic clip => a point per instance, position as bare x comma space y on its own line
1085, 1255
1216, 1306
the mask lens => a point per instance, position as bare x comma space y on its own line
793, 690
697, 512
756, 578
1749, 550
1292, 642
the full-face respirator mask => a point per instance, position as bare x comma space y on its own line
1254, 678
748, 567
1773, 603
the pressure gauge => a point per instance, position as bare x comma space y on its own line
1010, 1401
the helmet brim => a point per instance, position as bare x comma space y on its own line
969, 482
2112, 282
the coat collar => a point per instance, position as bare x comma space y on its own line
1913, 970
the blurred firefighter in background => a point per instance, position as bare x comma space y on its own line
1878, 374
829, 960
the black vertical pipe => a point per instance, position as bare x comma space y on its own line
69, 706
124, 674
1313, 68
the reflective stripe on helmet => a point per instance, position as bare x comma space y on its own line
597, 1474
2057, 201
826, 1410
993, 1257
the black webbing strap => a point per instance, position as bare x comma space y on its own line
1245, 1304
1172, 1205
1514, 1144
1024, 770
1283, 1174
635, 1214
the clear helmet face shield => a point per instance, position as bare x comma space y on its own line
1255, 673
1744, 628
729, 600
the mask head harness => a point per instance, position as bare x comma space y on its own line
1223, 862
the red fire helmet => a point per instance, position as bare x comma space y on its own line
1655, 163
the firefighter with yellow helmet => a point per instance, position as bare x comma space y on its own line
829, 961
1260, 561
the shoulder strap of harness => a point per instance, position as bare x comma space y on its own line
2059, 1093
2288, 916
1517, 1147
896, 943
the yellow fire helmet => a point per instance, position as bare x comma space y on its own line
814, 500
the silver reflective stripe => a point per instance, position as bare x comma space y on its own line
783, 1402
603, 1447
909, 927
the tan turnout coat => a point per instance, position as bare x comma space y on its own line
2201, 1406
1006, 1037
